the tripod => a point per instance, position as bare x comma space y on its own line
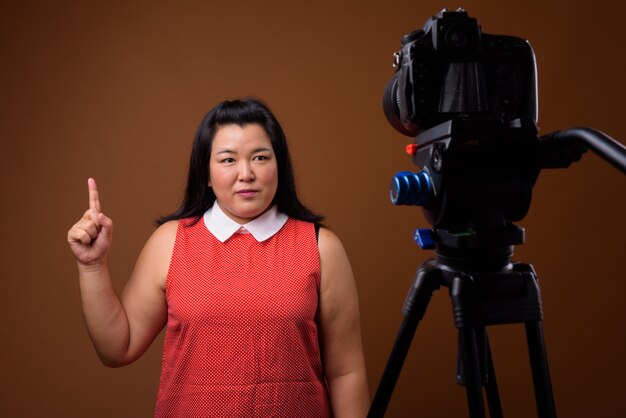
471, 99
485, 289
473, 186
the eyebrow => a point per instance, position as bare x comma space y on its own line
229, 151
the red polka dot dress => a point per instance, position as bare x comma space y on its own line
241, 337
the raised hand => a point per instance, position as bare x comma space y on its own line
90, 238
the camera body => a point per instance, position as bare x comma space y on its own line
470, 101
450, 70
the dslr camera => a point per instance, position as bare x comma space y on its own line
470, 101
449, 69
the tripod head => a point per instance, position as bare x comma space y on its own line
469, 99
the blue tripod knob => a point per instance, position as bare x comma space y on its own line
408, 188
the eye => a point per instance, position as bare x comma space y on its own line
261, 157
227, 160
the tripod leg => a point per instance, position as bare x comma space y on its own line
425, 283
541, 373
471, 371
487, 372
491, 387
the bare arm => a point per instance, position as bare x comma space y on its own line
121, 328
342, 351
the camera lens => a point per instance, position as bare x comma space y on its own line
391, 107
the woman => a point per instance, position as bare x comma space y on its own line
259, 302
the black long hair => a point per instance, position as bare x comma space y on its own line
199, 196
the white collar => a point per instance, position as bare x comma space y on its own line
261, 228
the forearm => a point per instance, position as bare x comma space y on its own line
104, 315
349, 395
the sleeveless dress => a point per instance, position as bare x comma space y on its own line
241, 337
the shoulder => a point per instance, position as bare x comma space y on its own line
330, 247
160, 245
165, 233
153, 262
336, 271
327, 238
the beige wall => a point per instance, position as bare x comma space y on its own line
115, 90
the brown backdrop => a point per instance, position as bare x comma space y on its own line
116, 90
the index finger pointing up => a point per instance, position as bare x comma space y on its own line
94, 199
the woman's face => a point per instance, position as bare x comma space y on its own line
243, 171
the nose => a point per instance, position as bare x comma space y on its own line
245, 172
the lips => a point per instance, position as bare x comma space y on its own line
247, 192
